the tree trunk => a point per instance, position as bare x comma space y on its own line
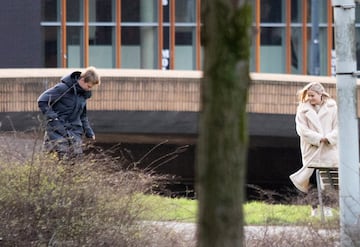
223, 134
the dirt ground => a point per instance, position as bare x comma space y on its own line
19, 146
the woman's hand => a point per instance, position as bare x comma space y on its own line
324, 140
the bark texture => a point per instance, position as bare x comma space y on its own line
223, 134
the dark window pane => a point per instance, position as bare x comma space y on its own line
130, 36
183, 36
130, 11
74, 45
185, 11
101, 10
296, 11
74, 10
100, 35
271, 11
139, 10
271, 36
51, 47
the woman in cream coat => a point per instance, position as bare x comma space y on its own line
316, 124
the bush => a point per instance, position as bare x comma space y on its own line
46, 202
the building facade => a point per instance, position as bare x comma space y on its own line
290, 36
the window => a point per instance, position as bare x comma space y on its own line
272, 36
185, 31
89, 33
51, 32
139, 34
102, 50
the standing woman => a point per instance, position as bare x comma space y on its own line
64, 107
316, 124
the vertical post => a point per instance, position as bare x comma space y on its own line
344, 18
198, 35
315, 58
86, 33
304, 38
160, 33
118, 34
288, 38
147, 52
63, 36
329, 39
257, 36
172, 34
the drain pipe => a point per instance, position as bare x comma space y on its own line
349, 192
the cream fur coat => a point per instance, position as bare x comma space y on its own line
311, 126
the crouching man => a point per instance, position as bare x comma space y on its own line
64, 107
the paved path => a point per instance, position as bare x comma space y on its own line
268, 235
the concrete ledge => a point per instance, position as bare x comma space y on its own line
28, 73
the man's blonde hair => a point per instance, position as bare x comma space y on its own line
90, 75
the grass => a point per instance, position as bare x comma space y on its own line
169, 209
256, 212
97, 202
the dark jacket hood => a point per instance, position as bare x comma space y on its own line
72, 79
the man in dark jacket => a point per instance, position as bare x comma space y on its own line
64, 107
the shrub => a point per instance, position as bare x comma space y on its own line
46, 202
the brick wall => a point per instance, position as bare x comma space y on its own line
139, 90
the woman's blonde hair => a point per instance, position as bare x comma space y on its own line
90, 75
312, 86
